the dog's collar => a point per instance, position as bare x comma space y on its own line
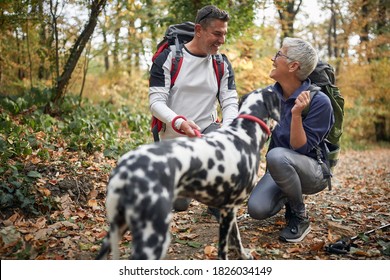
262, 124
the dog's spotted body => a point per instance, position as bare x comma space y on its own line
218, 169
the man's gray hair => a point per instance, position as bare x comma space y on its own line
210, 12
303, 52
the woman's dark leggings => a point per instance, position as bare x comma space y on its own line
289, 176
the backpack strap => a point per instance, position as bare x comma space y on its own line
160, 49
325, 166
313, 91
177, 61
176, 65
321, 147
219, 69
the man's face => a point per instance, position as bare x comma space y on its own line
213, 36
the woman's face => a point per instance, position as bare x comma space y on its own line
280, 64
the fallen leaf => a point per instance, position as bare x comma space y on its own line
46, 192
28, 237
333, 237
93, 194
294, 250
11, 220
254, 239
317, 246
92, 203
53, 182
128, 237
256, 255
9, 235
81, 214
35, 160
340, 229
100, 219
61, 224
42, 234
69, 224
101, 235
286, 256
67, 213
208, 250
188, 236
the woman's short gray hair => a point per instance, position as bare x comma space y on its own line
303, 52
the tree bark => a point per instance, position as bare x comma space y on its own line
53, 12
75, 53
29, 53
115, 51
382, 17
85, 70
334, 29
287, 12
106, 47
43, 73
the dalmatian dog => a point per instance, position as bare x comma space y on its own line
218, 169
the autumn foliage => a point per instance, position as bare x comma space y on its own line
54, 164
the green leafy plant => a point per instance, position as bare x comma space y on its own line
26, 131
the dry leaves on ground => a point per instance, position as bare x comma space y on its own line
358, 202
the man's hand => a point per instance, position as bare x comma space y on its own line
188, 128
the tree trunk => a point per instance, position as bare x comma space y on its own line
53, 12
382, 17
365, 27
131, 46
85, 70
29, 53
106, 47
43, 73
75, 53
115, 51
334, 30
287, 12
20, 58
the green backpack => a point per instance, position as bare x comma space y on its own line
324, 77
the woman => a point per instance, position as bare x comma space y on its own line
294, 167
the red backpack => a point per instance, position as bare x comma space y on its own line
175, 37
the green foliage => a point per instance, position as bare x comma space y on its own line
16, 188
98, 127
25, 131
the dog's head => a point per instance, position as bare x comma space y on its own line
261, 103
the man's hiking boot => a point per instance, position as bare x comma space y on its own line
214, 211
297, 228
181, 204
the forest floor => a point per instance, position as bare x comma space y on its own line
359, 202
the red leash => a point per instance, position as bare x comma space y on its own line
262, 124
197, 132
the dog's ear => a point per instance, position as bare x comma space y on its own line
272, 103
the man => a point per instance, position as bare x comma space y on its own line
194, 94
